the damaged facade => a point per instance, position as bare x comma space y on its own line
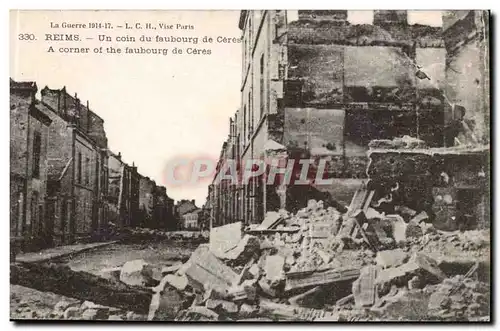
315, 86
123, 192
76, 158
29, 131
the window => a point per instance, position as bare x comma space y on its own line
88, 171
244, 125
250, 110
79, 168
37, 148
261, 86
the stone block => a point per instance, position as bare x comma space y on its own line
225, 238
205, 269
136, 272
391, 258
364, 288
303, 279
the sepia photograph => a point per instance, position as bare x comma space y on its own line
250, 166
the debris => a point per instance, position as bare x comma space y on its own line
266, 287
321, 230
273, 268
398, 228
413, 230
170, 269
180, 282
271, 219
391, 258
360, 201
224, 238
405, 211
299, 299
60, 279
248, 311
205, 268
278, 311
246, 248
323, 255
215, 293
90, 305
111, 273
71, 312
296, 280
222, 306
345, 300
419, 264
94, 314
136, 272
364, 288
197, 313
62, 305
131, 316
292, 229
414, 283
166, 302
458, 296
115, 318
254, 270
422, 216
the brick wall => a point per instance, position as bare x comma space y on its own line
19, 107
85, 186
146, 201
467, 71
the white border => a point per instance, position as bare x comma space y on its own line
185, 4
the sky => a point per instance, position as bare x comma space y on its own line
156, 108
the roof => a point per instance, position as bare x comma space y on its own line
194, 211
186, 206
28, 85
37, 111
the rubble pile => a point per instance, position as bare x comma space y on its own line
322, 265
81, 310
460, 297
170, 235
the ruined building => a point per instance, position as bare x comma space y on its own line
77, 159
314, 85
123, 192
29, 131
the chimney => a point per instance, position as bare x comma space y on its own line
192, 201
381, 17
119, 156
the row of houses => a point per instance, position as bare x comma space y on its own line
316, 85
65, 183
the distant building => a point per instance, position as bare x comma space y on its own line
123, 192
147, 202
188, 214
29, 132
163, 210
190, 220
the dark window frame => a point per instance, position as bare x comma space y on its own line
37, 149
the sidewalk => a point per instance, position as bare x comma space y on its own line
60, 251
